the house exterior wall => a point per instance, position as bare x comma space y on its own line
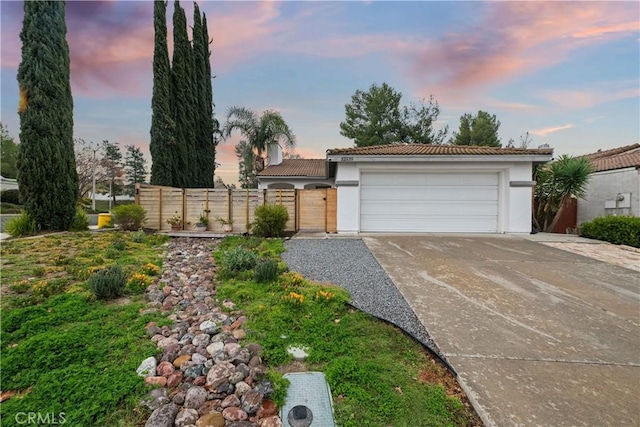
264, 182
514, 193
603, 187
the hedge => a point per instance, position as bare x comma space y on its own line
621, 230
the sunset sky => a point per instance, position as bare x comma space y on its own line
567, 72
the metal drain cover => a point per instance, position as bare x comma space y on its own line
308, 401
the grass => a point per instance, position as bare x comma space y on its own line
378, 375
9, 208
62, 350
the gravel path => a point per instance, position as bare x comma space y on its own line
348, 263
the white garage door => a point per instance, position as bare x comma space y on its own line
429, 202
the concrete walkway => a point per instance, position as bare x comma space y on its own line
539, 336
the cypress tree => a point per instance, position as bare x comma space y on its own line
198, 85
208, 147
162, 145
182, 102
46, 163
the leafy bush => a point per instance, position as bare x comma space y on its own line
80, 221
10, 196
130, 217
270, 220
237, 260
138, 283
108, 283
119, 245
621, 230
265, 270
23, 225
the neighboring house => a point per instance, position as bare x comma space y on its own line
614, 186
294, 173
434, 188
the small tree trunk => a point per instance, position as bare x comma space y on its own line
556, 217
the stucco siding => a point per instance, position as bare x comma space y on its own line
605, 186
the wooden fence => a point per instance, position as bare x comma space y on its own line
313, 210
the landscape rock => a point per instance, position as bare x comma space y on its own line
163, 416
233, 413
272, 421
161, 381
220, 373
147, 368
213, 419
231, 400
186, 417
155, 399
165, 369
251, 401
195, 397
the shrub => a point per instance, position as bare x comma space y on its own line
621, 230
80, 221
39, 271
270, 220
130, 217
10, 208
238, 259
23, 225
138, 237
10, 196
108, 283
265, 270
119, 245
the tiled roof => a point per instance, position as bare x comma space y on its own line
617, 161
431, 149
614, 151
297, 167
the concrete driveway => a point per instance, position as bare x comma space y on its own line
539, 336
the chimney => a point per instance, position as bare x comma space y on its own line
274, 152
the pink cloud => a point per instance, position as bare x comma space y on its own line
590, 97
513, 39
549, 130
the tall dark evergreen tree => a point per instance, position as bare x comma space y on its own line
198, 155
205, 122
163, 142
183, 99
46, 163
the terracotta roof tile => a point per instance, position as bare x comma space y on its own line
297, 167
431, 149
617, 161
612, 152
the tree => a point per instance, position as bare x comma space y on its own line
9, 149
135, 168
246, 159
204, 138
86, 165
290, 154
259, 131
375, 118
163, 143
46, 165
556, 183
183, 102
481, 129
112, 162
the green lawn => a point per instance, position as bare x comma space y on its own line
378, 375
63, 351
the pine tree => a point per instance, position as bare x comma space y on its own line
134, 167
182, 102
162, 145
199, 104
46, 163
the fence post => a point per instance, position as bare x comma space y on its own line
160, 208
184, 205
230, 204
247, 210
296, 207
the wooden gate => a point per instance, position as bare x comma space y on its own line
317, 210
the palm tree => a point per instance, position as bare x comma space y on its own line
259, 131
557, 183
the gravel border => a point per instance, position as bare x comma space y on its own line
348, 263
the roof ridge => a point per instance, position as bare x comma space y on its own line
612, 151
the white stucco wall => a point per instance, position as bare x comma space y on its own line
263, 183
603, 187
515, 201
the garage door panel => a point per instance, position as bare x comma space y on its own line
429, 202
429, 194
